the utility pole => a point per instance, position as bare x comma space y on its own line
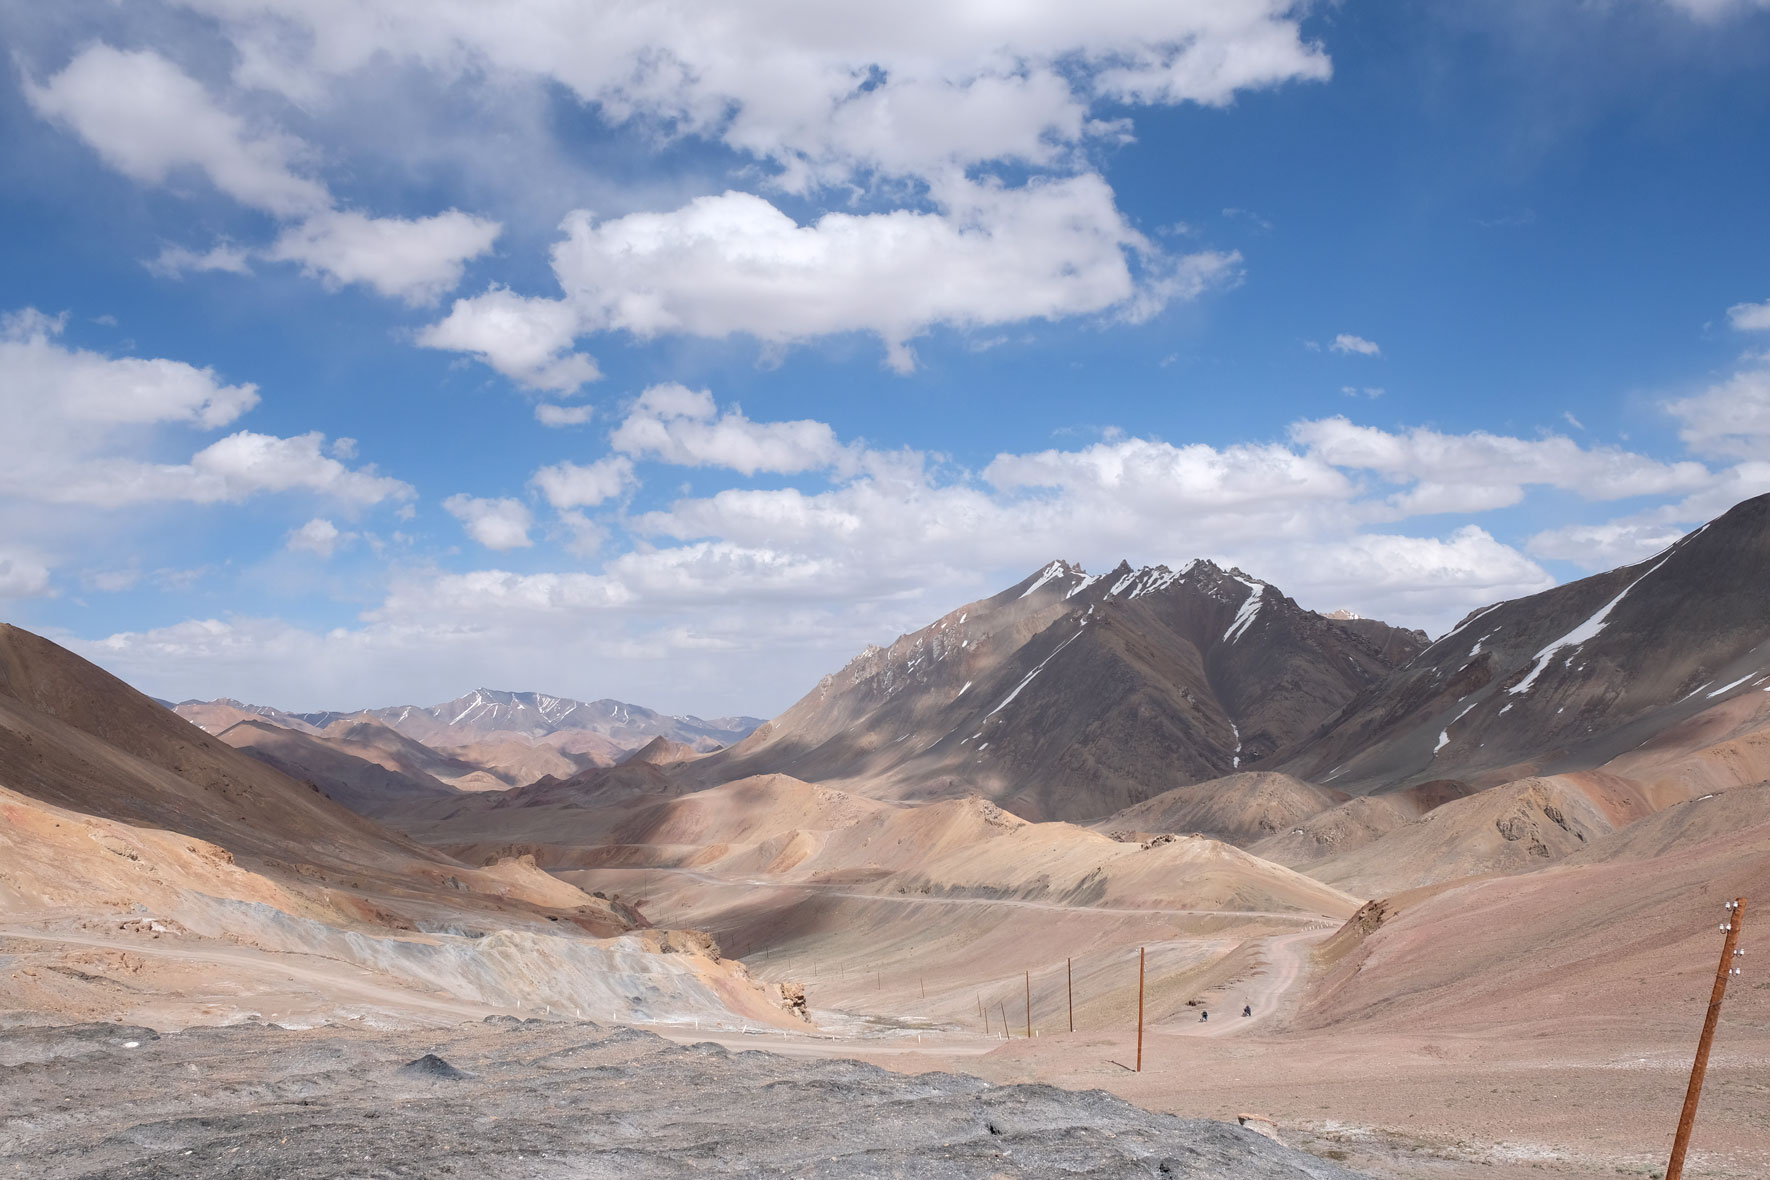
1069, 970
1687, 1119
1142, 954
1029, 1005
1002, 1007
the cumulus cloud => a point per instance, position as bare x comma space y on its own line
684, 427
1476, 471
927, 87
554, 416
151, 121
44, 379
1346, 342
148, 119
1730, 418
73, 431
569, 485
175, 261
906, 108
529, 340
496, 524
416, 260
318, 536
1750, 317
22, 577
736, 264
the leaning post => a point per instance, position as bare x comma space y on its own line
1687, 1118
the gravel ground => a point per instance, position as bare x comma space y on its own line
554, 1100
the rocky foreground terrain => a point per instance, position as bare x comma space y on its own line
538, 1101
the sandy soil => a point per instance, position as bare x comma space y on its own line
1547, 1090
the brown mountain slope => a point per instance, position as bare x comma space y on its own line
125, 825
1069, 696
1569, 678
367, 788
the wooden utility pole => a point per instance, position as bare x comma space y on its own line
1029, 1005
1687, 1119
1069, 970
1002, 1006
1142, 954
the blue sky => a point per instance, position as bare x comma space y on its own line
365, 352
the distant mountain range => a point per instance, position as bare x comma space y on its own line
488, 714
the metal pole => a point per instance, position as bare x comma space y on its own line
1142, 953
1687, 1119
1029, 1005
1069, 970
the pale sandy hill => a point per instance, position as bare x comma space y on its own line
1687, 825
514, 763
1361, 820
789, 830
217, 716
1374, 846
661, 751
1630, 940
1523, 825
1238, 808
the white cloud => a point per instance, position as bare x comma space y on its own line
735, 264
44, 380
417, 260
1750, 317
75, 431
682, 426
1607, 545
568, 485
527, 339
319, 536
148, 119
1731, 417
560, 416
1476, 471
22, 577
825, 95
1715, 10
175, 261
496, 524
1345, 342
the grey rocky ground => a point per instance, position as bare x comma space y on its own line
554, 1100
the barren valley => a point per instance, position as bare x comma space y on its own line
1413, 909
